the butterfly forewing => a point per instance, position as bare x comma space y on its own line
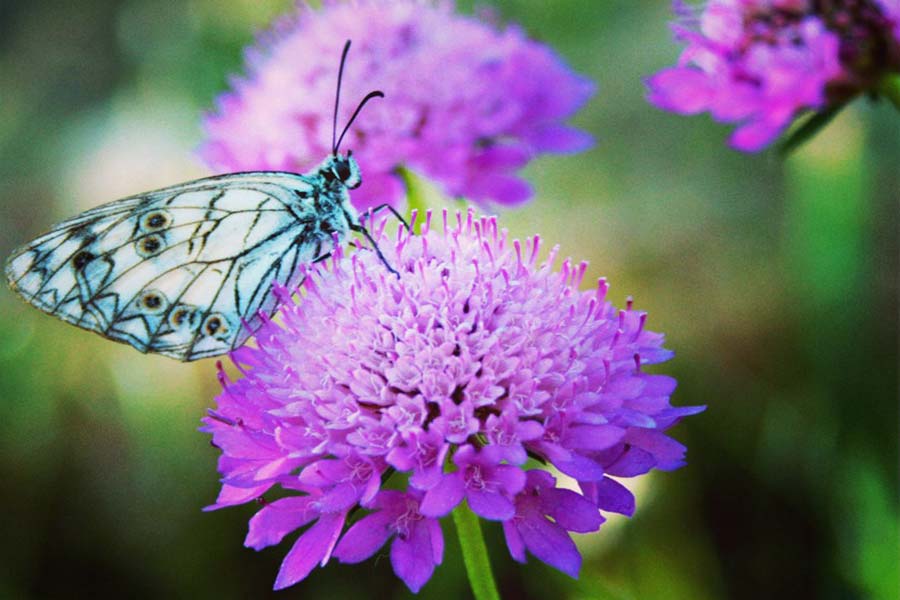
183, 271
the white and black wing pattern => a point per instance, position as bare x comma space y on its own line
179, 270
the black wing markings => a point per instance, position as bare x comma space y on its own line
112, 250
34, 246
208, 311
234, 260
46, 248
132, 206
166, 315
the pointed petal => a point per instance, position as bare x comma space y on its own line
755, 135
491, 505
551, 544
365, 537
310, 548
631, 463
668, 453
570, 510
443, 497
610, 495
413, 557
594, 437
510, 478
681, 90
581, 468
276, 520
560, 138
437, 540
338, 498
514, 541
231, 495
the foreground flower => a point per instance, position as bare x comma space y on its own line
466, 104
453, 374
761, 63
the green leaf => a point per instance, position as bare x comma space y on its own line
890, 89
802, 134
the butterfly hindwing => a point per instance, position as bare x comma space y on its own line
180, 270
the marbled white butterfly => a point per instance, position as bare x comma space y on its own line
187, 271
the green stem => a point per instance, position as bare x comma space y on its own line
475, 555
890, 88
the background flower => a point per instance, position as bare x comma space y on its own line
760, 63
479, 353
467, 104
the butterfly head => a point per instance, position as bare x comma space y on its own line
342, 168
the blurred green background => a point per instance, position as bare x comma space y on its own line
775, 281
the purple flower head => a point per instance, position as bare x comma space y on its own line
760, 63
466, 104
891, 11
446, 379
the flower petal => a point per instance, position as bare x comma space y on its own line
277, 519
594, 437
550, 543
514, 541
413, 557
312, 547
682, 90
230, 495
490, 505
365, 537
570, 510
443, 497
610, 495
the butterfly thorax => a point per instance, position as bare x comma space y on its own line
331, 180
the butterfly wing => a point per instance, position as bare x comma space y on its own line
180, 270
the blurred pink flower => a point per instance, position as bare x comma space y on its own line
891, 10
466, 104
760, 63
475, 358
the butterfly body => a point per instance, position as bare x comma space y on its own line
187, 270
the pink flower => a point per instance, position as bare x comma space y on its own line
891, 11
761, 63
451, 375
467, 104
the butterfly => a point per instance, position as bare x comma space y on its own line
187, 271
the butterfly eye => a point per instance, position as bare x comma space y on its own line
342, 170
215, 325
153, 302
149, 245
155, 220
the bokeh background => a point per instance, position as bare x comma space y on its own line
775, 281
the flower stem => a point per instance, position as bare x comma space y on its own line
890, 87
475, 556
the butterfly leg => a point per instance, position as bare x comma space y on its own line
393, 212
368, 236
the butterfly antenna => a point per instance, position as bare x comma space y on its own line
337, 98
369, 96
